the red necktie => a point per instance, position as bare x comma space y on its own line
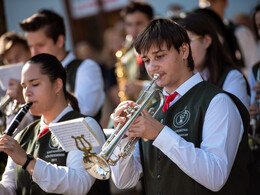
43, 131
139, 60
168, 100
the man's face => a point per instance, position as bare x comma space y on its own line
135, 23
171, 65
40, 43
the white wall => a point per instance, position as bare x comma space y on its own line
17, 10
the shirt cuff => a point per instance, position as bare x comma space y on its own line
166, 139
38, 168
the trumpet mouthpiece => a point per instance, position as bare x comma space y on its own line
156, 76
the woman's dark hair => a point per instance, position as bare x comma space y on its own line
161, 31
256, 9
52, 67
216, 59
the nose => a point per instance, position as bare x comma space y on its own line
27, 92
153, 66
34, 51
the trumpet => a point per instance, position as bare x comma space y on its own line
99, 165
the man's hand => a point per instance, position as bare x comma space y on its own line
145, 126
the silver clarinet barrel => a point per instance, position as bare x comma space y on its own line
99, 165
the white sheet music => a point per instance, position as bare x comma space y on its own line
8, 72
63, 131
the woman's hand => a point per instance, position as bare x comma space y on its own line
13, 149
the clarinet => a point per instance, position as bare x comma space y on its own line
18, 118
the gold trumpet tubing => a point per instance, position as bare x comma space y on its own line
120, 70
121, 80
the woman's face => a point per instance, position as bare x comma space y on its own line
38, 89
199, 48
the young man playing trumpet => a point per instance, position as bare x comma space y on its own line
197, 144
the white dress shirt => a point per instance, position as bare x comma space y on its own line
70, 179
89, 85
210, 164
248, 47
252, 83
235, 84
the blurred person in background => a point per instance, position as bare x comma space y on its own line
245, 20
113, 41
254, 82
210, 59
13, 50
136, 16
36, 165
197, 143
45, 33
238, 40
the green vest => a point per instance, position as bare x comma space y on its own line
45, 149
71, 70
185, 117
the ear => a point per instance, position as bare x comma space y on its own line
58, 85
207, 40
184, 50
60, 41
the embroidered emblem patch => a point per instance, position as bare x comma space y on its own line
181, 118
54, 143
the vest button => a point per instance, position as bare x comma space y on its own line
159, 157
158, 176
159, 193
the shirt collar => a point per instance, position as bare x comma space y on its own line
205, 74
69, 57
187, 85
65, 111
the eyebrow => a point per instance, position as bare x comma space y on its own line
31, 81
155, 52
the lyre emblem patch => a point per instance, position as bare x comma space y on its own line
181, 118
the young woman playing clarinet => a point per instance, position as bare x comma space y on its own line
35, 165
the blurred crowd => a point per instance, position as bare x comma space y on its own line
226, 53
